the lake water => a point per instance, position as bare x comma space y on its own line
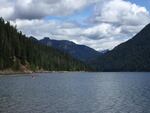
76, 93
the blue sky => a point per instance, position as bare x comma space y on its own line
81, 16
144, 3
78, 16
100, 24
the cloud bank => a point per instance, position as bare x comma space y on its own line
110, 23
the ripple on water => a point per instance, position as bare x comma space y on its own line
76, 93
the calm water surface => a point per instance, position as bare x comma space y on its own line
76, 93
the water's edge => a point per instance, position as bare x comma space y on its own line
19, 73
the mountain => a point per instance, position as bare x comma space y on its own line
133, 55
80, 52
20, 53
104, 51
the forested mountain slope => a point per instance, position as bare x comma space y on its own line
80, 52
133, 55
18, 52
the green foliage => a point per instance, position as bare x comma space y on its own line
16, 49
16, 65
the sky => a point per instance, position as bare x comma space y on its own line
99, 24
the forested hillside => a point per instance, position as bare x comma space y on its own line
80, 52
18, 52
133, 55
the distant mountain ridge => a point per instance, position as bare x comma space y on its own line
20, 53
133, 55
80, 52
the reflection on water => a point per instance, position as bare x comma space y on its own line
76, 93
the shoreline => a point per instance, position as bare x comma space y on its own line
9, 73
6, 72
29, 73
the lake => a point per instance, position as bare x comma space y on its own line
76, 92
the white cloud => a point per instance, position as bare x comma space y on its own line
36, 9
112, 22
6, 8
106, 39
101, 31
123, 20
121, 12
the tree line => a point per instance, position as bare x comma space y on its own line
17, 50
